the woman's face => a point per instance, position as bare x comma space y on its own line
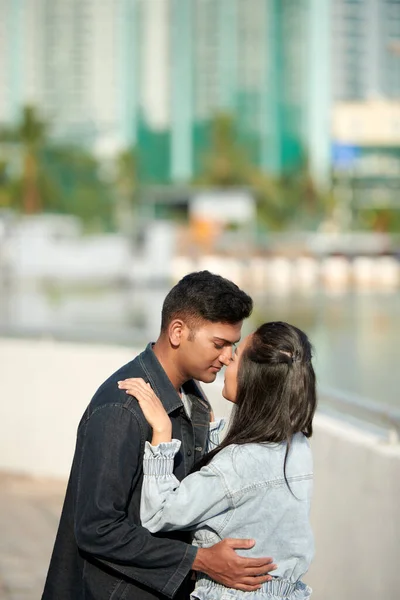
229, 390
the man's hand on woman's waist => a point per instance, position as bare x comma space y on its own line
222, 564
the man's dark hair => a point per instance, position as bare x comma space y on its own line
204, 296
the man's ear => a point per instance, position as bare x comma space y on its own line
175, 332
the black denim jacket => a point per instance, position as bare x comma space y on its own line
101, 550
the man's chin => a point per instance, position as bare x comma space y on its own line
207, 377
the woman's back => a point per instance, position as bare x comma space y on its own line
261, 505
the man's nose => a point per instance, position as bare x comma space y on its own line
226, 355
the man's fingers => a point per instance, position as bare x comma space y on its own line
259, 564
249, 584
239, 543
261, 571
247, 588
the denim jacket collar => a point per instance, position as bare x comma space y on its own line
163, 387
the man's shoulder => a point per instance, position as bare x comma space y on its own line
108, 392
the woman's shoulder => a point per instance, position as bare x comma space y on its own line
237, 457
242, 456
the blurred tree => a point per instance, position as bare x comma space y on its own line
30, 133
225, 163
52, 177
380, 220
72, 185
125, 183
5, 195
281, 201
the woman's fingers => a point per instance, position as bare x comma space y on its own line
151, 406
138, 386
141, 390
137, 381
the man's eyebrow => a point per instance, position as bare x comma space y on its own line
216, 338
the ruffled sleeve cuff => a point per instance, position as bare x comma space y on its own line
214, 433
159, 460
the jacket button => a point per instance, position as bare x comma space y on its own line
189, 453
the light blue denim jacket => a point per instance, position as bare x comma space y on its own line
241, 493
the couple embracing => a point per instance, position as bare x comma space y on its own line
160, 505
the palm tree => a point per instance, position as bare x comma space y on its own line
225, 163
281, 200
30, 134
125, 181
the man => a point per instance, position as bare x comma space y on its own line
101, 551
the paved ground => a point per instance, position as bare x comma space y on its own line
29, 513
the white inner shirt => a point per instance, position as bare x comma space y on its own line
186, 403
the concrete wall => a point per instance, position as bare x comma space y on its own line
44, 389
45, 386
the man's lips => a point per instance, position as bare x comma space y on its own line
216, 369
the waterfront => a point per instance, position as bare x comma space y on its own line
355, 337
355, 334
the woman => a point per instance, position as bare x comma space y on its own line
257, 483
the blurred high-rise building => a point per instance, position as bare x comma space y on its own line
154, 73
257, 60
365, 49
67, 57
365, 116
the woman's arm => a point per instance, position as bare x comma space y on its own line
167, 504
157, 417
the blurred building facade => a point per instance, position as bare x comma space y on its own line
247, 59
365, 118
365, 49
153, 74
366, 157
72, 60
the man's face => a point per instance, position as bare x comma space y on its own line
205, 350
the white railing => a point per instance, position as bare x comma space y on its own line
363, 409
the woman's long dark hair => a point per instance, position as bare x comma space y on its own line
276, 395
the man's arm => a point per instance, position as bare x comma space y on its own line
108, 467
167, 505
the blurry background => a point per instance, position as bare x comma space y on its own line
260, 139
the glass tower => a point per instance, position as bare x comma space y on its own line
248, 58
366, 49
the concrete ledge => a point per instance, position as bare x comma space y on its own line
46, 385
355, 514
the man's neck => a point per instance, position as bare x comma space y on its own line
163, 352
